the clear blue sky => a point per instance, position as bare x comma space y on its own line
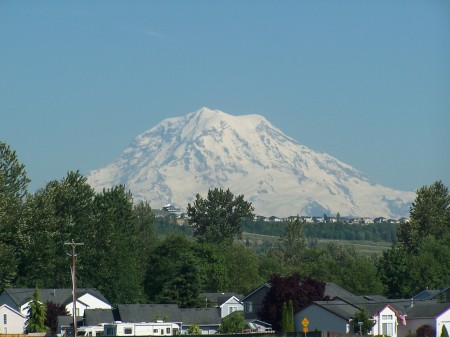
367, 82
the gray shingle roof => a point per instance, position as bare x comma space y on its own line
217, 299
333, 290
97, 316
426, 309
200, 316
135, 313
63, 296
339, 308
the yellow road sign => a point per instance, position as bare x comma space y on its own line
305, 322
305, 329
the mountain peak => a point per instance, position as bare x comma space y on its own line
184, 156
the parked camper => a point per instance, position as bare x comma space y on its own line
141, 329
90, 331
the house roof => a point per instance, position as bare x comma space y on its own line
218, 299
20, 296
339, 308
265, 285
200, 316
135, 313
332, 290
426, 294
6, 306
97, 316
426, 309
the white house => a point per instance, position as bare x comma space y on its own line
386, 322
338, 316
225, 302
18, 299
230, 305
11, 321
426, 313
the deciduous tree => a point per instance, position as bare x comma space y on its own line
366, 324
293, 242
430, 215
300, 290
219, 217
53, 310
233, 323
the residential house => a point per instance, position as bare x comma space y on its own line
332, 316
338, 316
427, 312
442, 296
208, 319
226, 302
18, 299
134, 313
94, 317
253, 302
11, 320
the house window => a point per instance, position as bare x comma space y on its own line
5, 319
248, 307
127, 331
232, 309
110, 331
387, 317
388, 329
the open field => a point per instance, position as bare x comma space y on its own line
364, 247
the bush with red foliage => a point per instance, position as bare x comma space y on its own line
425, 331
302, 291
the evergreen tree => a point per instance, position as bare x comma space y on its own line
444, 332
13, 192
290, 316
284, 318
36, 315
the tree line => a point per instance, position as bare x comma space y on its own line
129, 262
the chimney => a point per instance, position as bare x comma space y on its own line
412, 303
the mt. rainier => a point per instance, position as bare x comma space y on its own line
184, 156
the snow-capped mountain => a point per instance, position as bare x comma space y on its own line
183, 156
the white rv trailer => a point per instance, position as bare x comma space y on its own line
158, 328
88, 331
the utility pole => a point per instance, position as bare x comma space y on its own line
74, 284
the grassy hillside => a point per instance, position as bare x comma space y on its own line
364, 247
